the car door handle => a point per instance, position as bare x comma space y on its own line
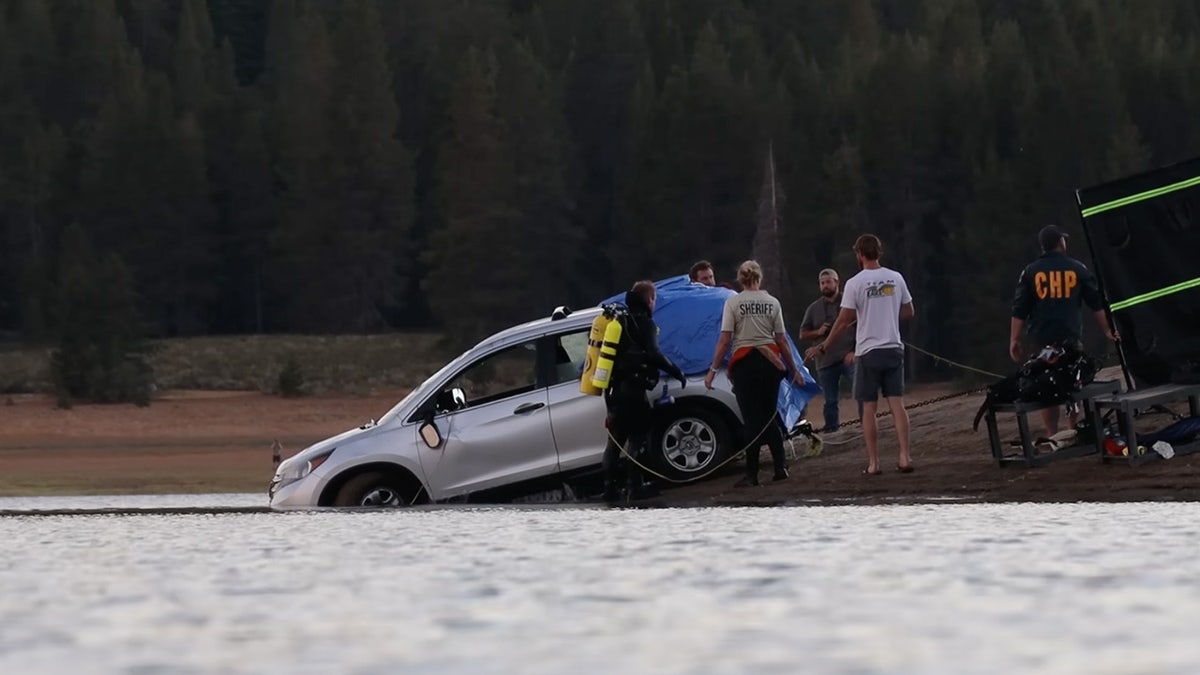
528, 407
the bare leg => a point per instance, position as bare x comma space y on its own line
900, 415
871, 434
1050, 419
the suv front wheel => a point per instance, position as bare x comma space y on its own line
689, 441
376, 490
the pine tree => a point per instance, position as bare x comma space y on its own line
100, 354
841, 211
700, 198
94, 47
629, 250
300, 71
535, 134
470, 283
32, 151
14, 109
42, 155
992, 247
145, 182
150, 27
192, 59
607, 50
375, 171
239, 172
35, 49
805, 125
250, 217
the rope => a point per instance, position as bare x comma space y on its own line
817, 442
921, 404
937, 399
942, 359
706, 474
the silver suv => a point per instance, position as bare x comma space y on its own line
504, 421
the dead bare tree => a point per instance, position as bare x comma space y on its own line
768, 243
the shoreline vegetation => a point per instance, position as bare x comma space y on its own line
341, 364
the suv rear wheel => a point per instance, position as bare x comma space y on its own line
689, 441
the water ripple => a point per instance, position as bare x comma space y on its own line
955, 588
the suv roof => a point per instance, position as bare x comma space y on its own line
540, 326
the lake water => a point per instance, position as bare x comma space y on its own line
951, 588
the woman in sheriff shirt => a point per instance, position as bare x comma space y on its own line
753, 322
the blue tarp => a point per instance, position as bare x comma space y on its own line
689, 322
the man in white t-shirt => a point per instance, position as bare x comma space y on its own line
878, 298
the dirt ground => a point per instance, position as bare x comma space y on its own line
951, 462
190, 442
184, 442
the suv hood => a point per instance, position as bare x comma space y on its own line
344, 438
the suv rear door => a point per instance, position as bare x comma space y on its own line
577, 419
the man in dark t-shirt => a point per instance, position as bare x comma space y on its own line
837, 361
1048, 304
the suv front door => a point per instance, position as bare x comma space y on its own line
499, 433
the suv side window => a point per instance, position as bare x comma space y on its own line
506, 373
570, 350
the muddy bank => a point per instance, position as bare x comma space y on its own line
952, 463
199, 442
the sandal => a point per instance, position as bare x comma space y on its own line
876, 472
905, 469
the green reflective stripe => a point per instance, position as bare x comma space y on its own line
1154, 295
1142, 196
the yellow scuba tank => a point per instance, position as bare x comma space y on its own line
595, 339
608, 355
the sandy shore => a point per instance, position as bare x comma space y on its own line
200, 442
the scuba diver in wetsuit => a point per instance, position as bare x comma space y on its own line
637, 365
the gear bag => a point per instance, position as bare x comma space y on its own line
1049, 377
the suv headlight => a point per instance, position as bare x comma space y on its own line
289, 472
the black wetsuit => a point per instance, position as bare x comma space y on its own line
637, 365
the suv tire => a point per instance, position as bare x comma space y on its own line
374, 490
689, 441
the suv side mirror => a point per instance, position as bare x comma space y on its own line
430, 433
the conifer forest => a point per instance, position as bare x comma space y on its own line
211, 167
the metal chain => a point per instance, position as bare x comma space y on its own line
817, 440
921, 404
937, 399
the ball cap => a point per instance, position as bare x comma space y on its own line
1049, 236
